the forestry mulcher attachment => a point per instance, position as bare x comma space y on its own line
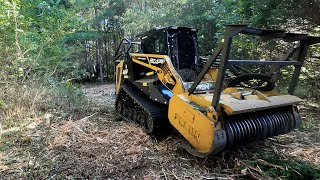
162, 82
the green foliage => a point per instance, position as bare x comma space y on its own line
82, 35
57, 38
306, 125
146, 15
118, 118
35, 43
291, 169
68, 98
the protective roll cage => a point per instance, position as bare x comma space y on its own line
126, 50
300, 52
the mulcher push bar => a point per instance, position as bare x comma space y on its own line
300, 52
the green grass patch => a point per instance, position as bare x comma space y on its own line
310, 123
291, 169
118, 118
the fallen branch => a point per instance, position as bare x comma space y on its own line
270, 164
88, 117
165, 175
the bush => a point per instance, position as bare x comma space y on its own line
69, 98
20, 102
23, 103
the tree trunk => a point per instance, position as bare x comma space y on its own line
98, 48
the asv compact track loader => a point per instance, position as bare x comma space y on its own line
161, 81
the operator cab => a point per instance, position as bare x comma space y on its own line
179, 43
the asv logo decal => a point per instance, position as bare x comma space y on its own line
156, 61
142, 58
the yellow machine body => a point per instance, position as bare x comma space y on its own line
150, 88
196, 127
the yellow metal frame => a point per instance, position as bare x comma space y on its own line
164, 77
119, 69
192, 124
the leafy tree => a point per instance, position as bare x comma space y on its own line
69, 39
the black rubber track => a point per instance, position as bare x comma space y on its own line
134, 98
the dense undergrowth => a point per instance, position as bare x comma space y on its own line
27, 112
23, 103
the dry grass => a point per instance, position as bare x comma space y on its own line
20, 104
97, 146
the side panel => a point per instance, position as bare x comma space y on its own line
192, 124
119, 69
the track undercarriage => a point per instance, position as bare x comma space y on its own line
134, 106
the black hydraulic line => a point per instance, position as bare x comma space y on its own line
234, 70
241, 69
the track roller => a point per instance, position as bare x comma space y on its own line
134, 106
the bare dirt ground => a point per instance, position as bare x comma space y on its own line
100, 146
101, 95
